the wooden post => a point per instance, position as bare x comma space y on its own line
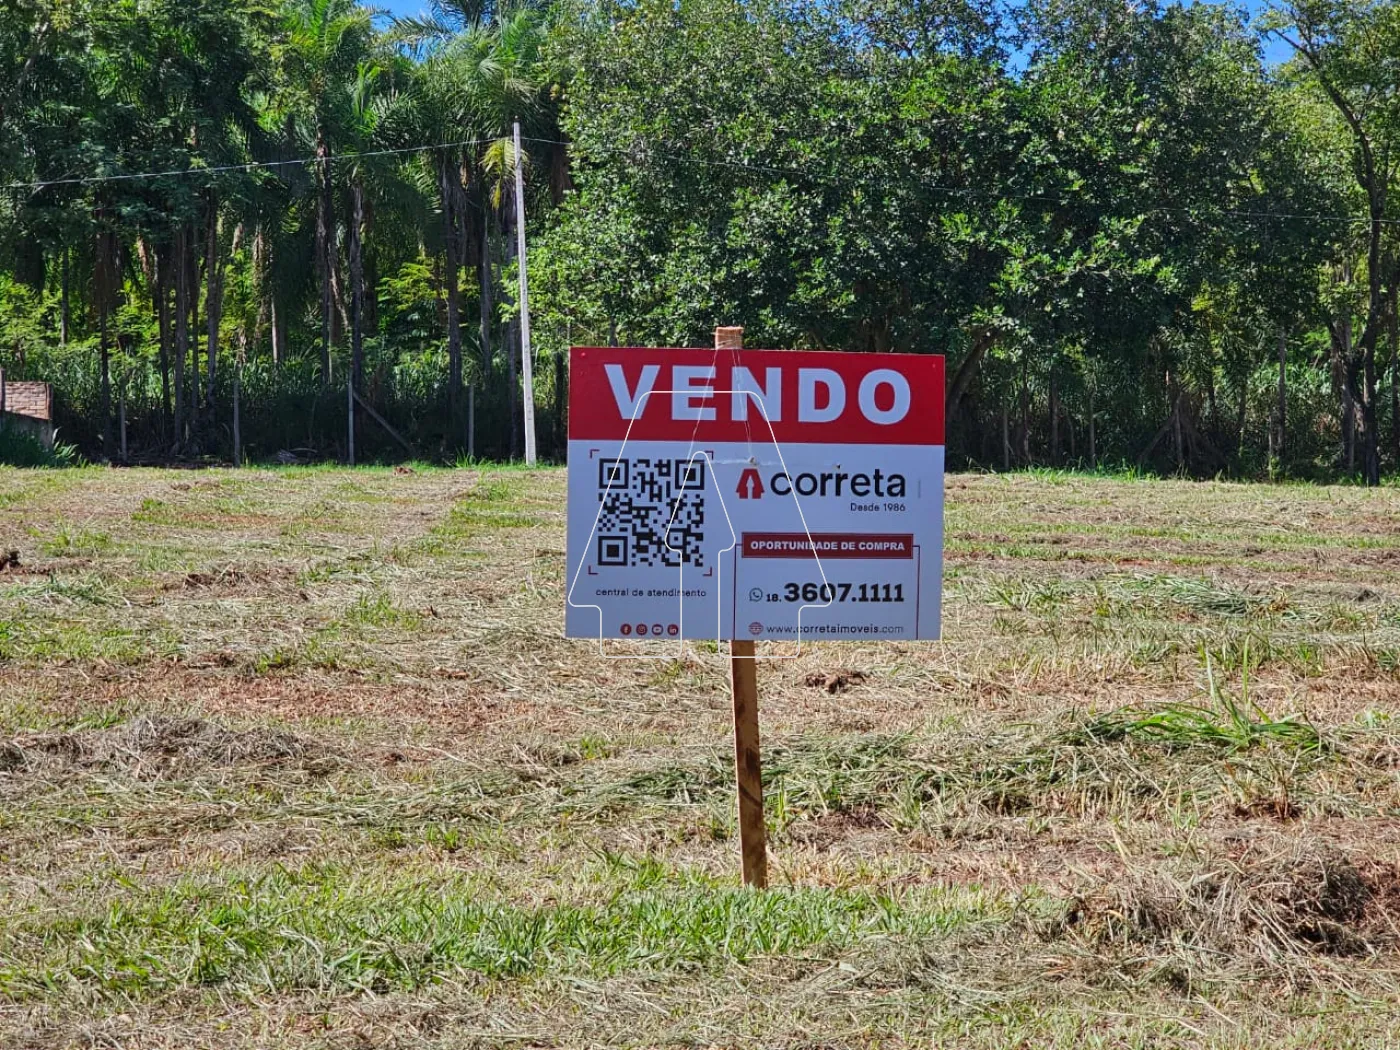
743, 685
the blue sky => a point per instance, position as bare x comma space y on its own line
1274, 50
402, 7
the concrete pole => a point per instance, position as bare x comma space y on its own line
526, 363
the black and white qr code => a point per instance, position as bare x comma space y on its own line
653, 512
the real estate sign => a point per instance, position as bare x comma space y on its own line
757, 494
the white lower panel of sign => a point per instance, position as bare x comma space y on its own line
819, 542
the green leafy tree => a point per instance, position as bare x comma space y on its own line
1347, 50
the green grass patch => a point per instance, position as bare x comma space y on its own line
219, 512
70, 542
154, 511
378, 609
495, 502
56, 591
319, 928
1229, 722
21, 487
67, 640
322, 651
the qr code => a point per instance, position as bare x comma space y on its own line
653, 512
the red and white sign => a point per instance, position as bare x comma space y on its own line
754, 493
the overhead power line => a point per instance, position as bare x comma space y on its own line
762, 169
254, 165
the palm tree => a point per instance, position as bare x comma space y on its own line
480, 71
328, 41
436, 116
374, 178
169, 94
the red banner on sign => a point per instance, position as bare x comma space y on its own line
827, 545
721, 396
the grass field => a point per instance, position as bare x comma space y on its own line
299, 758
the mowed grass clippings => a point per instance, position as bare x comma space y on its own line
300, 757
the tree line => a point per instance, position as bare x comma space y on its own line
1137, 241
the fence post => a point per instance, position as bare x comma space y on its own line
748, 766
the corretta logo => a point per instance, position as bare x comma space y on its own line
833, 483
750, 484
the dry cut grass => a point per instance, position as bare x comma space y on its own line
299, 758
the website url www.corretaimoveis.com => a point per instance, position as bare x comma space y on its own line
833, 629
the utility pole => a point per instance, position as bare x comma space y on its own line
525, 361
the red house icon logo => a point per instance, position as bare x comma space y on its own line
750, 484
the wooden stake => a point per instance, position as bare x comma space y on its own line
743, 685
748, 769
